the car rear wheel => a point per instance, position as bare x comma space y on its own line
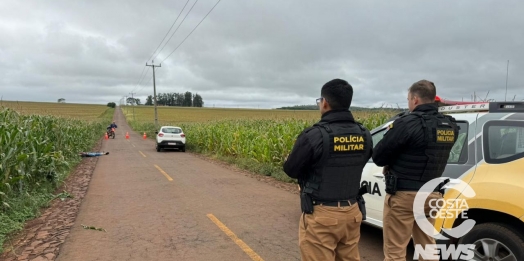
183, 149
494, 241
158, 149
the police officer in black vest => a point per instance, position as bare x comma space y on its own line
328, 159
414, 150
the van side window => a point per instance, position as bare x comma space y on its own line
378, 137
503, 141
459, 152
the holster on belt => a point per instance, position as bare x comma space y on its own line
361, 202
441, 188
306, 203
391, 183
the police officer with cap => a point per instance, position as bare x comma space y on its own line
328, 159
414, 150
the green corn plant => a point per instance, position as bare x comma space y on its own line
37, 149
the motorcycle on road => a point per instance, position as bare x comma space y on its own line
111, 133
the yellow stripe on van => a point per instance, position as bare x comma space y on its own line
498, 187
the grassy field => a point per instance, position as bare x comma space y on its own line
67, 110
38, 150
188, 114
185, 115
257, 140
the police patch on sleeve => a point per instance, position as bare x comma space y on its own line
445, 135
351, 143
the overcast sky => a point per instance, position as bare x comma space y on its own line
260, 53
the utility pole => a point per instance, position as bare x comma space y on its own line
154, 90
132, 97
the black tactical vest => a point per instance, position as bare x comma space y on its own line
439, 132
337, 174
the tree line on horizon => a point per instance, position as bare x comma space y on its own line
186, 99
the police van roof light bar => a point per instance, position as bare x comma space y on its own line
491, 107
465, 107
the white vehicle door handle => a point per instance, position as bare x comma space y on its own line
378, 175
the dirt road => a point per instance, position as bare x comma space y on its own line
176, 206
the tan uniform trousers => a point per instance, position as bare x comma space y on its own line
400, 225
330, 233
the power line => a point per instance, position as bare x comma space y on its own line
176, 29
142, 74
192, 31
145, 83
184, 38
168, 31
141, 78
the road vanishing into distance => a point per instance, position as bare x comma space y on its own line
173, 205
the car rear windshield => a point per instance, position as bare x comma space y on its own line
172, 130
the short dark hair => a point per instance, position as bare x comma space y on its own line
338, 94
424, 89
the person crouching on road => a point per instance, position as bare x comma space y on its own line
412, 152
328, 159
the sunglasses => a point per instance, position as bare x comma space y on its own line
319, 100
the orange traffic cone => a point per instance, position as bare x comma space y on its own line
106, 137
145, 136
127, 135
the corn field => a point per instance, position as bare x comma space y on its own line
36, 149
263, 140
64, 110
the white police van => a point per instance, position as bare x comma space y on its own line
489, 156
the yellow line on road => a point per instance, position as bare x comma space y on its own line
141, 153
235, 239
133, 145
163, 172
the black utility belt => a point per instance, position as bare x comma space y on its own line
411, 185
337, 203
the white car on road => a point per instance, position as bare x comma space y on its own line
170, 137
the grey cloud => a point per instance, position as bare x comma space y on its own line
261, 53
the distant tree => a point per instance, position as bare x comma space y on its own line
188, 99
111, 104
133, 101
179, 99
149, 100
161, 99
198, 101
61, 100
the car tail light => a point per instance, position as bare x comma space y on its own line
182, 135
161, 134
